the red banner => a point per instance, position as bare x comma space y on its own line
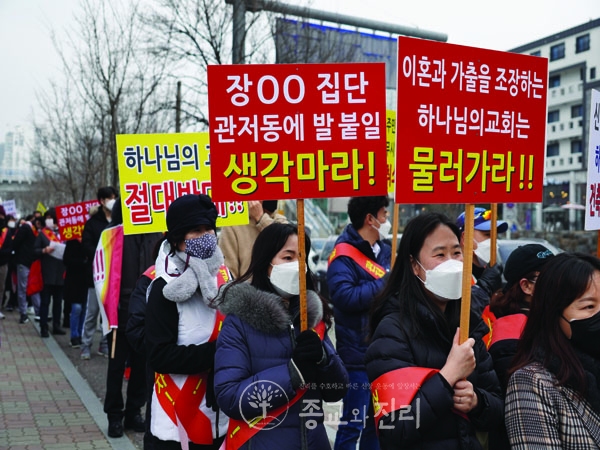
291, 131
72, 217
471, 124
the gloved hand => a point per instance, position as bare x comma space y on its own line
307, 354
211, 399
491, 279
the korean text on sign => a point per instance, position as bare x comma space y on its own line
472, 122
592, 213
297, 131
71, 218
155, 169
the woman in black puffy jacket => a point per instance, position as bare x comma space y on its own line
430, 392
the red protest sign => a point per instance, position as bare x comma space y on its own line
72, 217
297, 130
471, 124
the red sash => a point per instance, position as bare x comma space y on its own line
372, 268
3, 236
394, 390
150, 272
187, 412
50, 235
508, 327
240, 431
488, 318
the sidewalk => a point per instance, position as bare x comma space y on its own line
44, 401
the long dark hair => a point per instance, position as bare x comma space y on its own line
512, 301
268, 243
406, 287
563, 279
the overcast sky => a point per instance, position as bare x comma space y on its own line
28, 59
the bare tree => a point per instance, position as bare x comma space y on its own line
113, 85
193, 34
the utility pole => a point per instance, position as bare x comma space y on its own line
239, 31
178, 108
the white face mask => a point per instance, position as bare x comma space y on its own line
483, 251
444, 280
384, 229
49, 223
11, 224
109, 204
285, 278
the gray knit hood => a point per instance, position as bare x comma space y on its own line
265, 311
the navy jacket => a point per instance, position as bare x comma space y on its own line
393, 347
256, 345
352, 290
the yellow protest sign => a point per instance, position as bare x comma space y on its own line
155, 169
390, 140
41, 208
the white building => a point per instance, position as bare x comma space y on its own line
15, 159
574, 69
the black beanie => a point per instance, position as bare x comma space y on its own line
523, 260
189, 211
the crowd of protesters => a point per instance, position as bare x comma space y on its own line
222, 360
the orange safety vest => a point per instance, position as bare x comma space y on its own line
186, 412
370, 266
240, 431
395, 390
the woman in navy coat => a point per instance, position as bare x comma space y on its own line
263, 363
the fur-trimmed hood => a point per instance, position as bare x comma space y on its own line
266, 311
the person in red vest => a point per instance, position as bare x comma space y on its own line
511, 306
271, 379
553, 394
488, 278
357, 265
53, 274
429, 391
509, 309
181, 329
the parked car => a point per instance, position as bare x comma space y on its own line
316, 245
506, 246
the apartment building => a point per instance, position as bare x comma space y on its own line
574, 70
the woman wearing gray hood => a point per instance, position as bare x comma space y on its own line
270, 378
181, 329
